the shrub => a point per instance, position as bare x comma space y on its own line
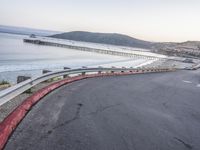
3, 82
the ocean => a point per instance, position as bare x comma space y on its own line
19, 58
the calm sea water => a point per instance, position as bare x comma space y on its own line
19, 58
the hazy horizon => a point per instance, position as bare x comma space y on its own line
150, 20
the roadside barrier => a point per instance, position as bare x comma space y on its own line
9, 124
19, 88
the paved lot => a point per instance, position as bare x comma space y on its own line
138, 112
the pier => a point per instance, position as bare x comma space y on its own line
87, 49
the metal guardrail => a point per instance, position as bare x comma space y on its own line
9, 93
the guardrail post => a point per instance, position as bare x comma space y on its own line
22, 78
139, 70
83, 73
112, 71
46, 71
99, 72
66, 68
123, 70
131, 69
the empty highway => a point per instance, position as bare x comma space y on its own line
157, 111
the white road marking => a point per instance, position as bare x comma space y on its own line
198, 85
187, 81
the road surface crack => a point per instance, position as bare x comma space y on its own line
184, 143
101, 109
76, 116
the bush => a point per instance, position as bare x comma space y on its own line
4, 82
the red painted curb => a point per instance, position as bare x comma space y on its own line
9, 124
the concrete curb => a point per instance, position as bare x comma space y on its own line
10, 123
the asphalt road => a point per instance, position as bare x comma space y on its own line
138, 112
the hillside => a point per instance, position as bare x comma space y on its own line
184, 49
105, 38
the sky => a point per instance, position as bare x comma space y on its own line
152, 20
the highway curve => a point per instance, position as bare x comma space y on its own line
157, 111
